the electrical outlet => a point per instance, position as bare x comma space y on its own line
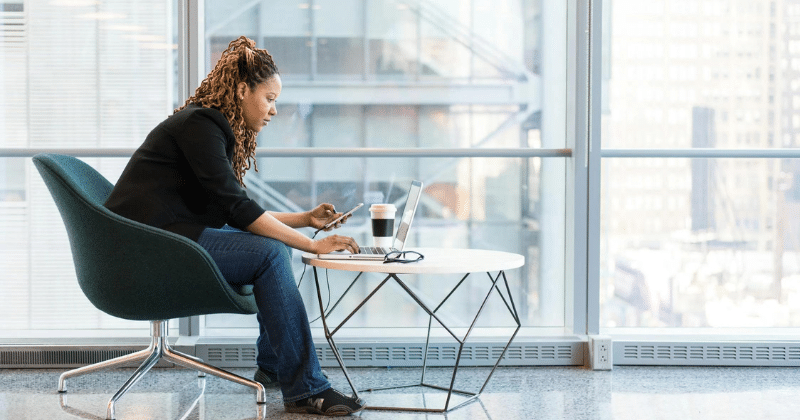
600, 352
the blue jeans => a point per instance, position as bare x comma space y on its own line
284, 344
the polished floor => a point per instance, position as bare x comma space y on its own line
636, 393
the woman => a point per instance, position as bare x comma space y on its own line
187, 178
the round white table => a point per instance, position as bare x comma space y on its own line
436, 261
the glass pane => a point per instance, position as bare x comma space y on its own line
340, 38
285, 23
74, 74
674, 70
392, 74
392, 38
41, 296
471, 203
700, 243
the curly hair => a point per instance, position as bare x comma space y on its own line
240, 62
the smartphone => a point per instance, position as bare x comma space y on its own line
342, 217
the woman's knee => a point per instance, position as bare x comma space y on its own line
275, 252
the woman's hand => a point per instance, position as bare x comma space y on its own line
335, 243
324, 214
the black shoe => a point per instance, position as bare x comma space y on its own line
270, 379
327, 403
267, 378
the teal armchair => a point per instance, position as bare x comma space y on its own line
134, 271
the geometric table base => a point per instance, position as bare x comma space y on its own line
471, 396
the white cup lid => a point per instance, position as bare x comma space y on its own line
382, 207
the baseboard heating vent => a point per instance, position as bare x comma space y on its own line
707, 354
219, 355
233, 355
49, 357
406, 354
477, 354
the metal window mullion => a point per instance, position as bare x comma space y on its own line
583, 298
191, 45
594, 117
191, 59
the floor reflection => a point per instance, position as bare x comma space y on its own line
542, 393
142, 408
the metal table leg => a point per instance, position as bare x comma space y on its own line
329, 336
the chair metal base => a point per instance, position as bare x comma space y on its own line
159, 349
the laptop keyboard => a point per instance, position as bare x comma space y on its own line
371, 250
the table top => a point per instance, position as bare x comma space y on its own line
437, 261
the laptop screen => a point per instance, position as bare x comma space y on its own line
408, 215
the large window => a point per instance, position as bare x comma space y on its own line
712, 240
74, 74
417, 74
695, 106
357, 74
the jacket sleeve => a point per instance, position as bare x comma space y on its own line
203, 143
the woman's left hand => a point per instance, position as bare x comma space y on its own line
324, 214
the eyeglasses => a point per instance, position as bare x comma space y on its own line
400, 257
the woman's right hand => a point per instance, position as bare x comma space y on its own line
335, 243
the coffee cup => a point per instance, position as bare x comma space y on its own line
383, 224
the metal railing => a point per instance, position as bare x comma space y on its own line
318, 152
322, 152
701, 153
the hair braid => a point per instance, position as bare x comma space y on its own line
240, 62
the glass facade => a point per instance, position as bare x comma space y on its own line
419, 74
702, 242
686, 243
357, 74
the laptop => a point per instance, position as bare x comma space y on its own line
377, 253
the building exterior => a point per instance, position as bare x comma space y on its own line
699, 74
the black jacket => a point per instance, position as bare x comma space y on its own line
181, 180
